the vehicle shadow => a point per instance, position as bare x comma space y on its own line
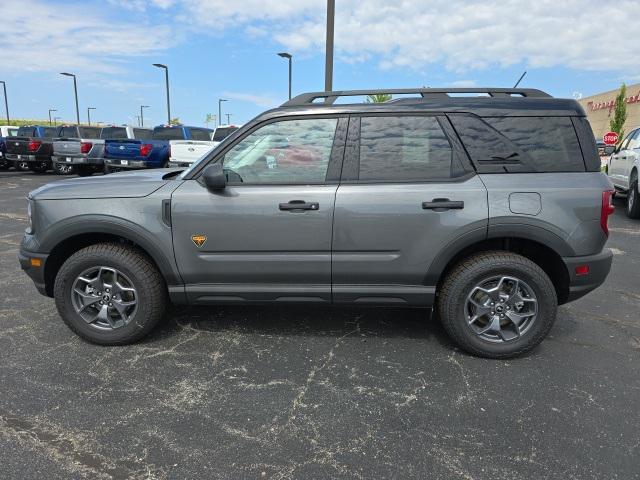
307, 321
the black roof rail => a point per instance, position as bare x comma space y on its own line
328, 98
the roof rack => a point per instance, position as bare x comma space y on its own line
328, 98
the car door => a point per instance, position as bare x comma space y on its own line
267, 235
406, 194
617, 163
631, 155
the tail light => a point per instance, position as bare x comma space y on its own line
34, 145
606, 209
145, 149
85, 147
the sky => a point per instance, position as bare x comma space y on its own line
228, 49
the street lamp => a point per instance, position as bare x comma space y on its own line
142, 114
228, 118
328, 65
288, 56
89, 114
166, 77
55, 121
6, 102
75, 91
51, 110
220, 100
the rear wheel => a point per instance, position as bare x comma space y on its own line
5, 164
497, 304
21, 165
633, 200
110, 294
39, 167
63, 168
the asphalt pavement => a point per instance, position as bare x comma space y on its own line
292, 392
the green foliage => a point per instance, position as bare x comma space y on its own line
616, 124
379, 98
175, 121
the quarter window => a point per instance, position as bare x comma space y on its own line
403, 149
285, 152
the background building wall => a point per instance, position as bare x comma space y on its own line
599, 109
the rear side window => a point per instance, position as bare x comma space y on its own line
168, 133
114, 133
403, 149
90, 132
68, 132
142, 134
200, 134
26, 132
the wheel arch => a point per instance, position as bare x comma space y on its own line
66, 239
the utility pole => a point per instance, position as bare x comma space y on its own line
328, 66
6, 102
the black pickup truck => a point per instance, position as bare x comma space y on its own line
31, 148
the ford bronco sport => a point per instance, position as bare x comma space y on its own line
491, 209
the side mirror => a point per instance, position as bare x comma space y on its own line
609, 149
214, 177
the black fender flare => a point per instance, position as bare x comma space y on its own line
97, 224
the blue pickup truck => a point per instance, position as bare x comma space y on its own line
153, 153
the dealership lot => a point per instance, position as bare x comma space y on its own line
316, 392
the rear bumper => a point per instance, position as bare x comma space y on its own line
77, 160
35, 273
14, 157
599, 267
130, 163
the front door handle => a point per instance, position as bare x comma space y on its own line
299, 205
441, 204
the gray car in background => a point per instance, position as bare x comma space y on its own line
491, 210
81, 149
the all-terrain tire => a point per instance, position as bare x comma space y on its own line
633, 199
137, 267
472, 271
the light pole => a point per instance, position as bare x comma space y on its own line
55, 121
220, 100
142, 114
6, 102
328, 65
75, 91
228, 118
289, 57
166, 77
51, 110
89, 114
138, 117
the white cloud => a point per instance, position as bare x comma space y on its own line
262, 100
40, 37
462, 35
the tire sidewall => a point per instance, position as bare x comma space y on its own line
62, 292
547, 307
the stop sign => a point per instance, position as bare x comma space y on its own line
610, 138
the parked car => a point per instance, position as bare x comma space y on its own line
76, 149
490, 209
31, 148
185, 152
86, 154
6, 132
153, 153
623, 168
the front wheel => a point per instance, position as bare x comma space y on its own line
110, 294
633, 202
497, 304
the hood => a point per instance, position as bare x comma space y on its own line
134, 184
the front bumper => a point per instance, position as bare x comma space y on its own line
77, 160
36, 273
599, 266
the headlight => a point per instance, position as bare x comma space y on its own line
29, 210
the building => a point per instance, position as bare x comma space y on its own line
599, 109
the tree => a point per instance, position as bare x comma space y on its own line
379, 98
616, 124
174, 121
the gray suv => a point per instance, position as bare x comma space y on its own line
490, 208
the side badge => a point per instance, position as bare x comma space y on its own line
199, 240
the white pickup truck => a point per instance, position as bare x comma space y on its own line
623, 169
185, 152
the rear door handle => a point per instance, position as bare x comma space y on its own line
441, 204
299, 205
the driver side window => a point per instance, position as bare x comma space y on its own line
284, 152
